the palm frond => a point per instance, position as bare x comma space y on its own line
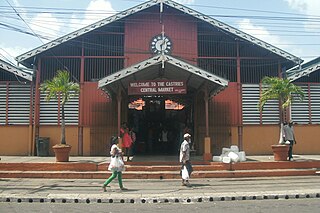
275, 88
60, 86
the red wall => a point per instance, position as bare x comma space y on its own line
92, 98
141, 28
229, 96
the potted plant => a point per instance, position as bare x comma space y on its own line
61, 89
276, 88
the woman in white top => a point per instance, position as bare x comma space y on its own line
116, 164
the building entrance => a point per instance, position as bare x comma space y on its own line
159, 124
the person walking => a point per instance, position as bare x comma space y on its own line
185, 159
289, 136
164, 140
116, 164
126, 139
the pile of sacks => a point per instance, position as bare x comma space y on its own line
229, 155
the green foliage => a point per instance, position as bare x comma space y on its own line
60, 88
275, 88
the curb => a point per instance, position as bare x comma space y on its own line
154, 200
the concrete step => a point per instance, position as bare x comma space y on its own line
156, 174
103, 167
157, 170
158, 166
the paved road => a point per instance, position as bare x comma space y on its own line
249, 206
158, 191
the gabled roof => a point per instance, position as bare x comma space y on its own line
149, 4
21, 72
306, 69
174, 69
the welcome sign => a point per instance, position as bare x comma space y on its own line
157, 87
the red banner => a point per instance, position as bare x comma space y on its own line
157, 87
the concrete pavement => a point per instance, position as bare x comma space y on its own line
154, 167
158, 191
101, 159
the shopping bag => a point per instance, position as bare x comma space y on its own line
116, 164
185, 173
112, 164
120, 165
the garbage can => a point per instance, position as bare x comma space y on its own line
42, 146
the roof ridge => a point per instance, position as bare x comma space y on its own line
223, 26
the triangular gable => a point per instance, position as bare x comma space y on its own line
306, 69
219, 83
86, 29
16, 70
172, 4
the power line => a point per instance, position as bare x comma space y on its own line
298, 35
4, 57
23, 20
80, 10
315, 19
269, 30
39, 38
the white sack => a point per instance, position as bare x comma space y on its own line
233, 156
226, 159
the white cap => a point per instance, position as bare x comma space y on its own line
186, 135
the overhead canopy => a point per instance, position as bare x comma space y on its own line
163, 67
21, 72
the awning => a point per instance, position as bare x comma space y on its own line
163, 67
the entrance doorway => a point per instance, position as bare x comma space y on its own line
159, 123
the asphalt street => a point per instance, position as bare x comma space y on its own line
305, 205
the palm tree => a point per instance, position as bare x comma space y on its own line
276, 88
60, 88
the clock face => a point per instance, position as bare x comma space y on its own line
160, 43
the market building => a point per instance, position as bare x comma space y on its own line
158, 65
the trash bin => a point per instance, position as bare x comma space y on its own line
42, 146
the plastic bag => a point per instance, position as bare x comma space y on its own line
185, 173
116, 164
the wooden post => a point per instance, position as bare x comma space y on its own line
207, 156
239, 97
81, 105
119, 97
36, 108
31, 136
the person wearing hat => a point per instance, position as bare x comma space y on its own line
185, 157
289, 136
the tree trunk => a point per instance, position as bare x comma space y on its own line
282, 112
63, 126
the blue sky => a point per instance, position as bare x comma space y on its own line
292, 25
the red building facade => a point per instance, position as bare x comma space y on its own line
221, 66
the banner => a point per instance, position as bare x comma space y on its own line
157, 87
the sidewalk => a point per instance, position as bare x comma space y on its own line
101, 159
158, 191
155, 167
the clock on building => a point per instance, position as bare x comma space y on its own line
160, 43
